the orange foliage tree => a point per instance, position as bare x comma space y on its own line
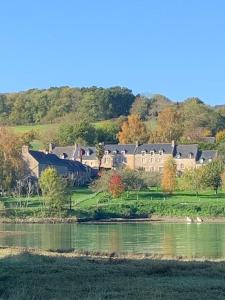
133, 130
168, 182
116, 185
169, 125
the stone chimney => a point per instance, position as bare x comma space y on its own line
25, 149
137, 143
173, 144
50, 147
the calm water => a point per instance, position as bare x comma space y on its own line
192, 240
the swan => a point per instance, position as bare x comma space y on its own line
189, 220
199, 220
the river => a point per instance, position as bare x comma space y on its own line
190, 240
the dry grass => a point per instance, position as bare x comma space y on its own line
48, 275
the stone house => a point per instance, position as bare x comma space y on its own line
149, 157
36, 162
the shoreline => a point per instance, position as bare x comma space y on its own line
74, 220
6, 251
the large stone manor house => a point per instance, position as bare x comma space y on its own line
149, 157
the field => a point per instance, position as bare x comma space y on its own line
86, 204
42, 275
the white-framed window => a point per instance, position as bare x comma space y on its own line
201, 160
178, 155
106, 152
210, 160
160, 152
152, 152
143, 152
114, 152
123, 152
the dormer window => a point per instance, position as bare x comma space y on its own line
152, 152
178, 155
201, 160
143, 152
210, 160
161, 152
106, 152
191, 155
114, 152
88, 152
123, 152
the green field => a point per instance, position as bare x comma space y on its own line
45, 275
90, 205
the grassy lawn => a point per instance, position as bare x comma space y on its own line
36, 275
86, 203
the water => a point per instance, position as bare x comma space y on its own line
191, 240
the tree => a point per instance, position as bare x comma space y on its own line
194, 179
100, 150
133, 130
53, 189
220, 136
212, 174
223, 181
169, 182
116, 186
70, 132
140, 107
169, 125
11, 163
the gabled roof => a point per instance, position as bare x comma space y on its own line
128, 148
53, 160
68, 150
206, 155
165, 147
185, 150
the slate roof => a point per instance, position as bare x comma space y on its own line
53, 160
68, 150
166, 148
128, 148
185, 150
206, 155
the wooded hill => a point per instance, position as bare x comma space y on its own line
94, 104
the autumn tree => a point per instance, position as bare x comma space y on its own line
53, 189
116, 185
220, 136
168, 182
169, 125
11, 163
133, 130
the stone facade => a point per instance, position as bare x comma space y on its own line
150, 157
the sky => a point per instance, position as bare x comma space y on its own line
172, 47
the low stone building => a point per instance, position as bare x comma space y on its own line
149, 157
37, 161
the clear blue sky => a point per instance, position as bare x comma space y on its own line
172, 47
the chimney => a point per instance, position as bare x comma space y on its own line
50, 147
25, 149
173, 143
137, 143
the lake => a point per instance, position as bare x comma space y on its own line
191, 240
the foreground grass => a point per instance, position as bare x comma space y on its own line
31, 275
86, 204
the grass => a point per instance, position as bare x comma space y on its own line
87, 204
42, 275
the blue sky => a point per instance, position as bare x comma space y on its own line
172, 47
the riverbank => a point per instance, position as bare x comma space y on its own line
152, 205
34, 274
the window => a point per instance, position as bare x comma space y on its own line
143, 160
114, 151
182, 166
201, 160
143, 152
123, 152
160, 152
210, 160
152, 169
191, 155
152, 152
160, 169
151, 160
178, 155
106, 152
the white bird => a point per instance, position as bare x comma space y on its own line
199, 220
189, 220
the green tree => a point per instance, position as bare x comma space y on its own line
54, 190
212, 174
194, 180
100, 150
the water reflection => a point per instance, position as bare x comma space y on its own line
191, 240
